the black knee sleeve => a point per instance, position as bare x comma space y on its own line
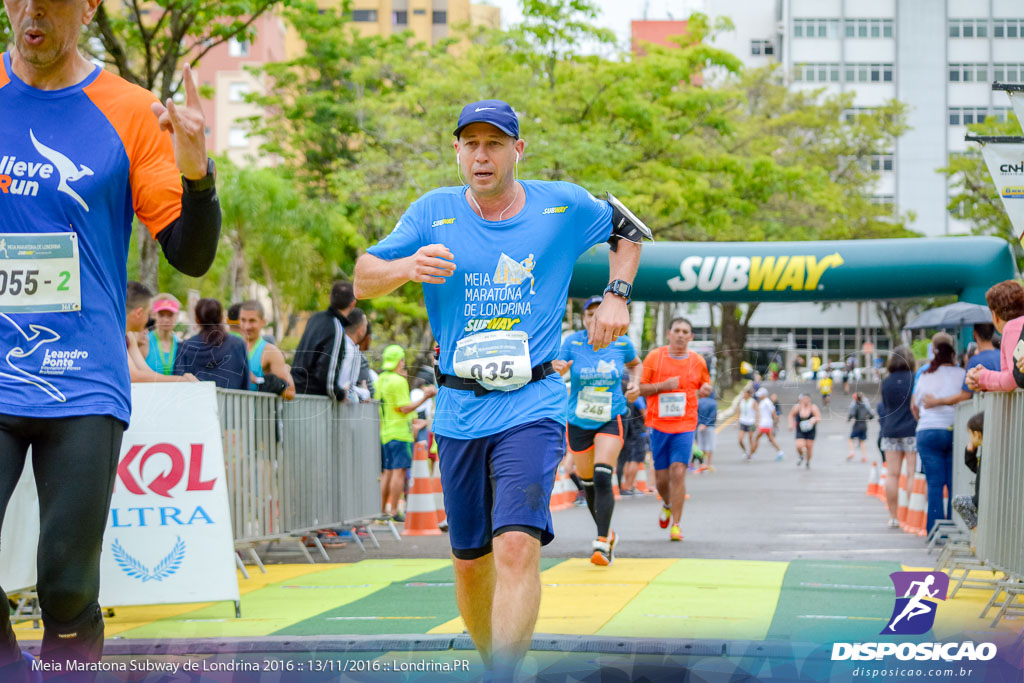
588, 491
80, 639
604, 498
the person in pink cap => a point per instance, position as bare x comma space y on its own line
162, 342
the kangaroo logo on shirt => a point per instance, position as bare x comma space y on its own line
39, 336
69, 171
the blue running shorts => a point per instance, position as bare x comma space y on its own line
499, 483
396, 455
669, 448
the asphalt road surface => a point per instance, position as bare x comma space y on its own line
756, 510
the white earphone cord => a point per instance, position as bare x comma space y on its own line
515, 172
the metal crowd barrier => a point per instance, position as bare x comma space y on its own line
1001, 498
963, 478
999, 543
297, 466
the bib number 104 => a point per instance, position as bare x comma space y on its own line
26, 282
492, 371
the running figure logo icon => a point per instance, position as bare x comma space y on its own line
914, 612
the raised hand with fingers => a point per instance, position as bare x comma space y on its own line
187, 127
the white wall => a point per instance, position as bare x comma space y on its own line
921, 82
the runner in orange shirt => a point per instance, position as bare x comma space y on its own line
673, 379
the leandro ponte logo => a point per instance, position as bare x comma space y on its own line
914, 612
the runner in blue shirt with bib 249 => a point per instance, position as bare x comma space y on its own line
495, 256
596, 406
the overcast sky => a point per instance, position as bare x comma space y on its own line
615, 14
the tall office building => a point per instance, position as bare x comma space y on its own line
224, 67
939, 57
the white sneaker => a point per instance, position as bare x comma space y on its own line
780, 456
894, 523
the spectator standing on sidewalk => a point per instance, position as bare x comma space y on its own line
321, 350
898, 425
935, 425
967, 506
397, 415
138, 303
214, 355
1006, 303
356, 374
269, 373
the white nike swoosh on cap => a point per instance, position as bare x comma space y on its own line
485, 108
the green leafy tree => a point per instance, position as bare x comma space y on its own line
556, 28
147, 43
974, 196
317, 103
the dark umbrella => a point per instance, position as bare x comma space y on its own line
954, 315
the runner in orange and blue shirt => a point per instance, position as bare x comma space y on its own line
81, 153
673, 379
597, 405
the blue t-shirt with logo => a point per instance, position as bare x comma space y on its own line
596, 371
988, 359
511, 275
75, 164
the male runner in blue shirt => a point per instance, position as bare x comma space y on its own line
495, 257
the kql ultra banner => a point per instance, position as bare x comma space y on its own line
168, 537
1005, 162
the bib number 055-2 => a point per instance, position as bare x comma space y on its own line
39, 273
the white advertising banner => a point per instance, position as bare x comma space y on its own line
168, 537
1005, 162
19, 535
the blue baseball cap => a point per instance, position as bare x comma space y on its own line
591, 301
499, 114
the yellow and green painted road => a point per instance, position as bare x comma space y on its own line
800, 600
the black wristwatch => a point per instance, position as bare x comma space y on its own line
619, 288
201, 184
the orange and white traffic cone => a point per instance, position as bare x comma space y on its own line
641, 479
873, 480
435, 487
615, 487
421, 510
883, 477
559, 493
917, 509
903, 496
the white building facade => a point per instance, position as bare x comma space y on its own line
939, 57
